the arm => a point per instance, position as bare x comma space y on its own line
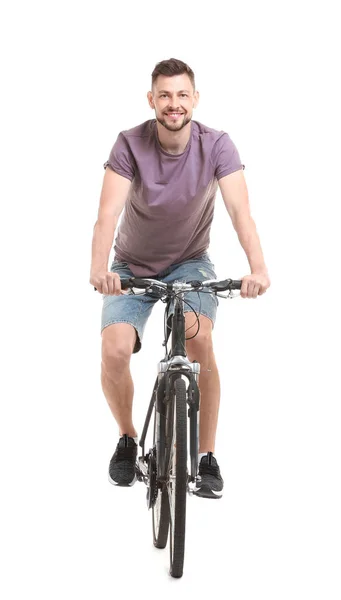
235, 195
114, 194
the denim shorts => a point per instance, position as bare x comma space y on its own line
135, 309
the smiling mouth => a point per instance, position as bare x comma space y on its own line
174, 114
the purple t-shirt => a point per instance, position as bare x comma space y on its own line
169, 210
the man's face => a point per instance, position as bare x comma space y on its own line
173, 100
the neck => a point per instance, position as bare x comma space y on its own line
174, 142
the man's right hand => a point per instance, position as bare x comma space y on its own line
106, 282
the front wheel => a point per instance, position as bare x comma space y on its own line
160, 507
177, 486
161, 519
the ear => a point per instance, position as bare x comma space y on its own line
196, 99
150, 100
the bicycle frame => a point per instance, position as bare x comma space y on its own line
173, 366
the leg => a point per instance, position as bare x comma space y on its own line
118, 343
123, 321
200, 348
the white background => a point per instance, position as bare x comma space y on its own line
75, 74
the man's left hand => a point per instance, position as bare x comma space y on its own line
254, 285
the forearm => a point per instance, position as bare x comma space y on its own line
102, 240
249, 240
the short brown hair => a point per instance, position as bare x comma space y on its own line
172, 67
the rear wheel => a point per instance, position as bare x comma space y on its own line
177, 485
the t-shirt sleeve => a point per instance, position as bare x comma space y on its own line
225, 157
121, 159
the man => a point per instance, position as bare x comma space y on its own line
165, 173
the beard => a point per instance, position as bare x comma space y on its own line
174, 126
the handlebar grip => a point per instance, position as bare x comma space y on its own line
228, 284
125, 284
236, 284
136, 282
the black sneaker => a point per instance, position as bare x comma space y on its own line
209, 482
122, 468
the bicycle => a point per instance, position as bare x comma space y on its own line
164, 468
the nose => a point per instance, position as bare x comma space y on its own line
174, 102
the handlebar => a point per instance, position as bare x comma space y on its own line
177, 286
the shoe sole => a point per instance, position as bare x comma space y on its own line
205, 492
122, 484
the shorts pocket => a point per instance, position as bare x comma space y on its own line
118, 265
205, 260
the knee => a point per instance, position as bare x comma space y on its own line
200, 346
115, 356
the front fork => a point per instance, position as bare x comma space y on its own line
168, 372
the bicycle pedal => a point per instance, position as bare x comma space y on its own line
141, 470
190, 487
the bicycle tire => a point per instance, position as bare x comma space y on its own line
179, 476
160, 531
160, 510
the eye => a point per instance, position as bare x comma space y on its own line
184, 95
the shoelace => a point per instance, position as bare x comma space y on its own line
207, 467
125, 452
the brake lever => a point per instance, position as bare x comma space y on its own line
230, 295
